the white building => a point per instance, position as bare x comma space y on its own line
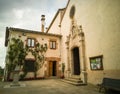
87, 35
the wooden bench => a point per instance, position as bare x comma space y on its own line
110, 84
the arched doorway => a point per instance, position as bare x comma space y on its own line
76, 61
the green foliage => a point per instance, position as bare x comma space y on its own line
1, 71
17, 53
63, 67
23, 75
38, 52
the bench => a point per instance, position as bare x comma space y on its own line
110, 84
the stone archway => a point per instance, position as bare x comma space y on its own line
76, 53
76, 61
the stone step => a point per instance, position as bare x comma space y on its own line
75, 77
73, 82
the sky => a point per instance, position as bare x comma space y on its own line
25, 14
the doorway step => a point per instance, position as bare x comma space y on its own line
53, 77
74, 81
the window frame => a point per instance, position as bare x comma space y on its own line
31, 42
53, 44
30, 64
95, 62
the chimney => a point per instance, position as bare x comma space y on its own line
42, 23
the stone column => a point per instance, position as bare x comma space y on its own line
68, 61
82, 55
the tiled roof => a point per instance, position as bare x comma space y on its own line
33, 31
26, 31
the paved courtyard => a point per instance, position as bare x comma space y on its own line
48, 86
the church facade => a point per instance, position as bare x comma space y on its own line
86, 34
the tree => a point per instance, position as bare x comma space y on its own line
18, 51
39, 54
1, 71
16, 54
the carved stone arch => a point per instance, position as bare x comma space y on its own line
74, 46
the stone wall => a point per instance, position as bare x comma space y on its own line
100, 20
50, 55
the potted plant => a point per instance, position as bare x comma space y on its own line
63, 69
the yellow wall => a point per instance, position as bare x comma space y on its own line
55, 29
100, 20
42, 39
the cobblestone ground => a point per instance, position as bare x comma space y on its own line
49, 86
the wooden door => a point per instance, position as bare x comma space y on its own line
50, 68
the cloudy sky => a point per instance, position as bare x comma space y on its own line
25, 14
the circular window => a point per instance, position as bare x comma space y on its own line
72, 12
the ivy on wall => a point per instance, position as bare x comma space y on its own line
39, 54
17, 53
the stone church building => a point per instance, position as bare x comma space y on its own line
84, 36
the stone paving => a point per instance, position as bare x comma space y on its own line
48, 86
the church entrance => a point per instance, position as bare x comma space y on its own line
52, 68
76, 61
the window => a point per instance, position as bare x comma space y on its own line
96, 62
30, 66
52, 44
31, 42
